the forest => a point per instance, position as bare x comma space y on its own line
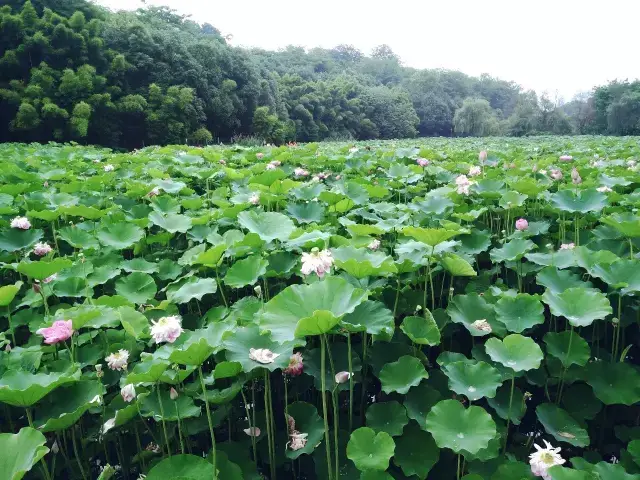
73, 71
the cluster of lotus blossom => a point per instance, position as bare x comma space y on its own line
374, 245
482, 325
301, 172
423, 162
318, 261
262, 355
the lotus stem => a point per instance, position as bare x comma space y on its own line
224, 298
253, 438
271, 424
324, 404
564, 369
334, 401
179, 429
206, 406
506, 435
164, 425
47, 475
13, 334
75, 451
351, 381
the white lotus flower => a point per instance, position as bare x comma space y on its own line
118, 360
463, 184
543, 459
604, 189
475, 171
41, 249
270, 166
482, 325
167, 329
300, 172
21, 223
254, 198
317, 261
109, 168
567, 246
342, 377
155, 191
108, 425
262, 355
374, 245
128, 393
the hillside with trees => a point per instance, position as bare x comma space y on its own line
72, 71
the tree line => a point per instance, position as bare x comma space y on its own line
73, 71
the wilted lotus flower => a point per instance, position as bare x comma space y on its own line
297, 440
567, 246
300, 172
167, 329
118, 360
60, 331
463, 184
374, 245
296, 366
543, 459
482, 156
475, 171
21, 223
99, 372
423, 162
277, 163
556, 174
128, 393
604, 189
575, 176
222, 161
41, 249
342, 377
50, 278
254, 198
262, 355
566, 158
109, 168
173, 393
252, 431
482, 325
154, 192
259, 155
522, 224
317, 261
270, 166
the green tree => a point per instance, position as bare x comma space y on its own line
476, 118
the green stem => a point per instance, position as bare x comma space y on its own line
164, 425
251, 427
395, 303
47, 475
180, 430
433, 294
506, 435
458, 469
75, 451
350, 382
224, 298
13, 334
270, 423
206, 406
324, 404
146, 425
334, 402
564, 368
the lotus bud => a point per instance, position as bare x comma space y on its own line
258, 290
418, 308
482, 156
522, 224
54, 448
173, 393
8, 348
342, 377
36, 287
99, 372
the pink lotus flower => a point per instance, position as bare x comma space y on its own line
154, 192
566, 158
296, 366
41, 249
270, 166
567, 246
423, 162
259, 155
482, 156
60, 331
21, 223
556, 174
300, 172
222, 161
604, 189
254, 199
167, 329
50, 278
463, 184
522, 224
575, 176
317, 261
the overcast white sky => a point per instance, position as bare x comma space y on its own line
567, 46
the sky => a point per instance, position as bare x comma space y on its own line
562, 47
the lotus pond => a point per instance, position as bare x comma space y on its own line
438, 309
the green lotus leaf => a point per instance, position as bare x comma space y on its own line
359, 230
475, 380
370, 450
512, 470
561, 259
22, 389
182, 467
634, 450
193, 288
467, 309
120, 235
457, 428
582, 201
239, 342
561, 425
171, 222
561, 473
12, 239
416, 452
419, 401
210, 257
169, 185
430, 236
587, 259
20, 452
390, 417
501, 402
43, 268
150, 370
193, 348
557, 281
226, 370
246, 271
568, 347
134, 322
170, 410
475, 242
614, 383
580, 400
78, 238
610, 471
371, 317
8, 293
137, 287
375, 475
421, 330
626, 223
268, 225
312, 212
307, 421
102, 275
580, 306
511, 200
512, 251
340, 356
515, 352
457, 266
361, 262
139, 265
623, 275
83, 211
401, 375
520, 312
301, 310
72, 287
64, 407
